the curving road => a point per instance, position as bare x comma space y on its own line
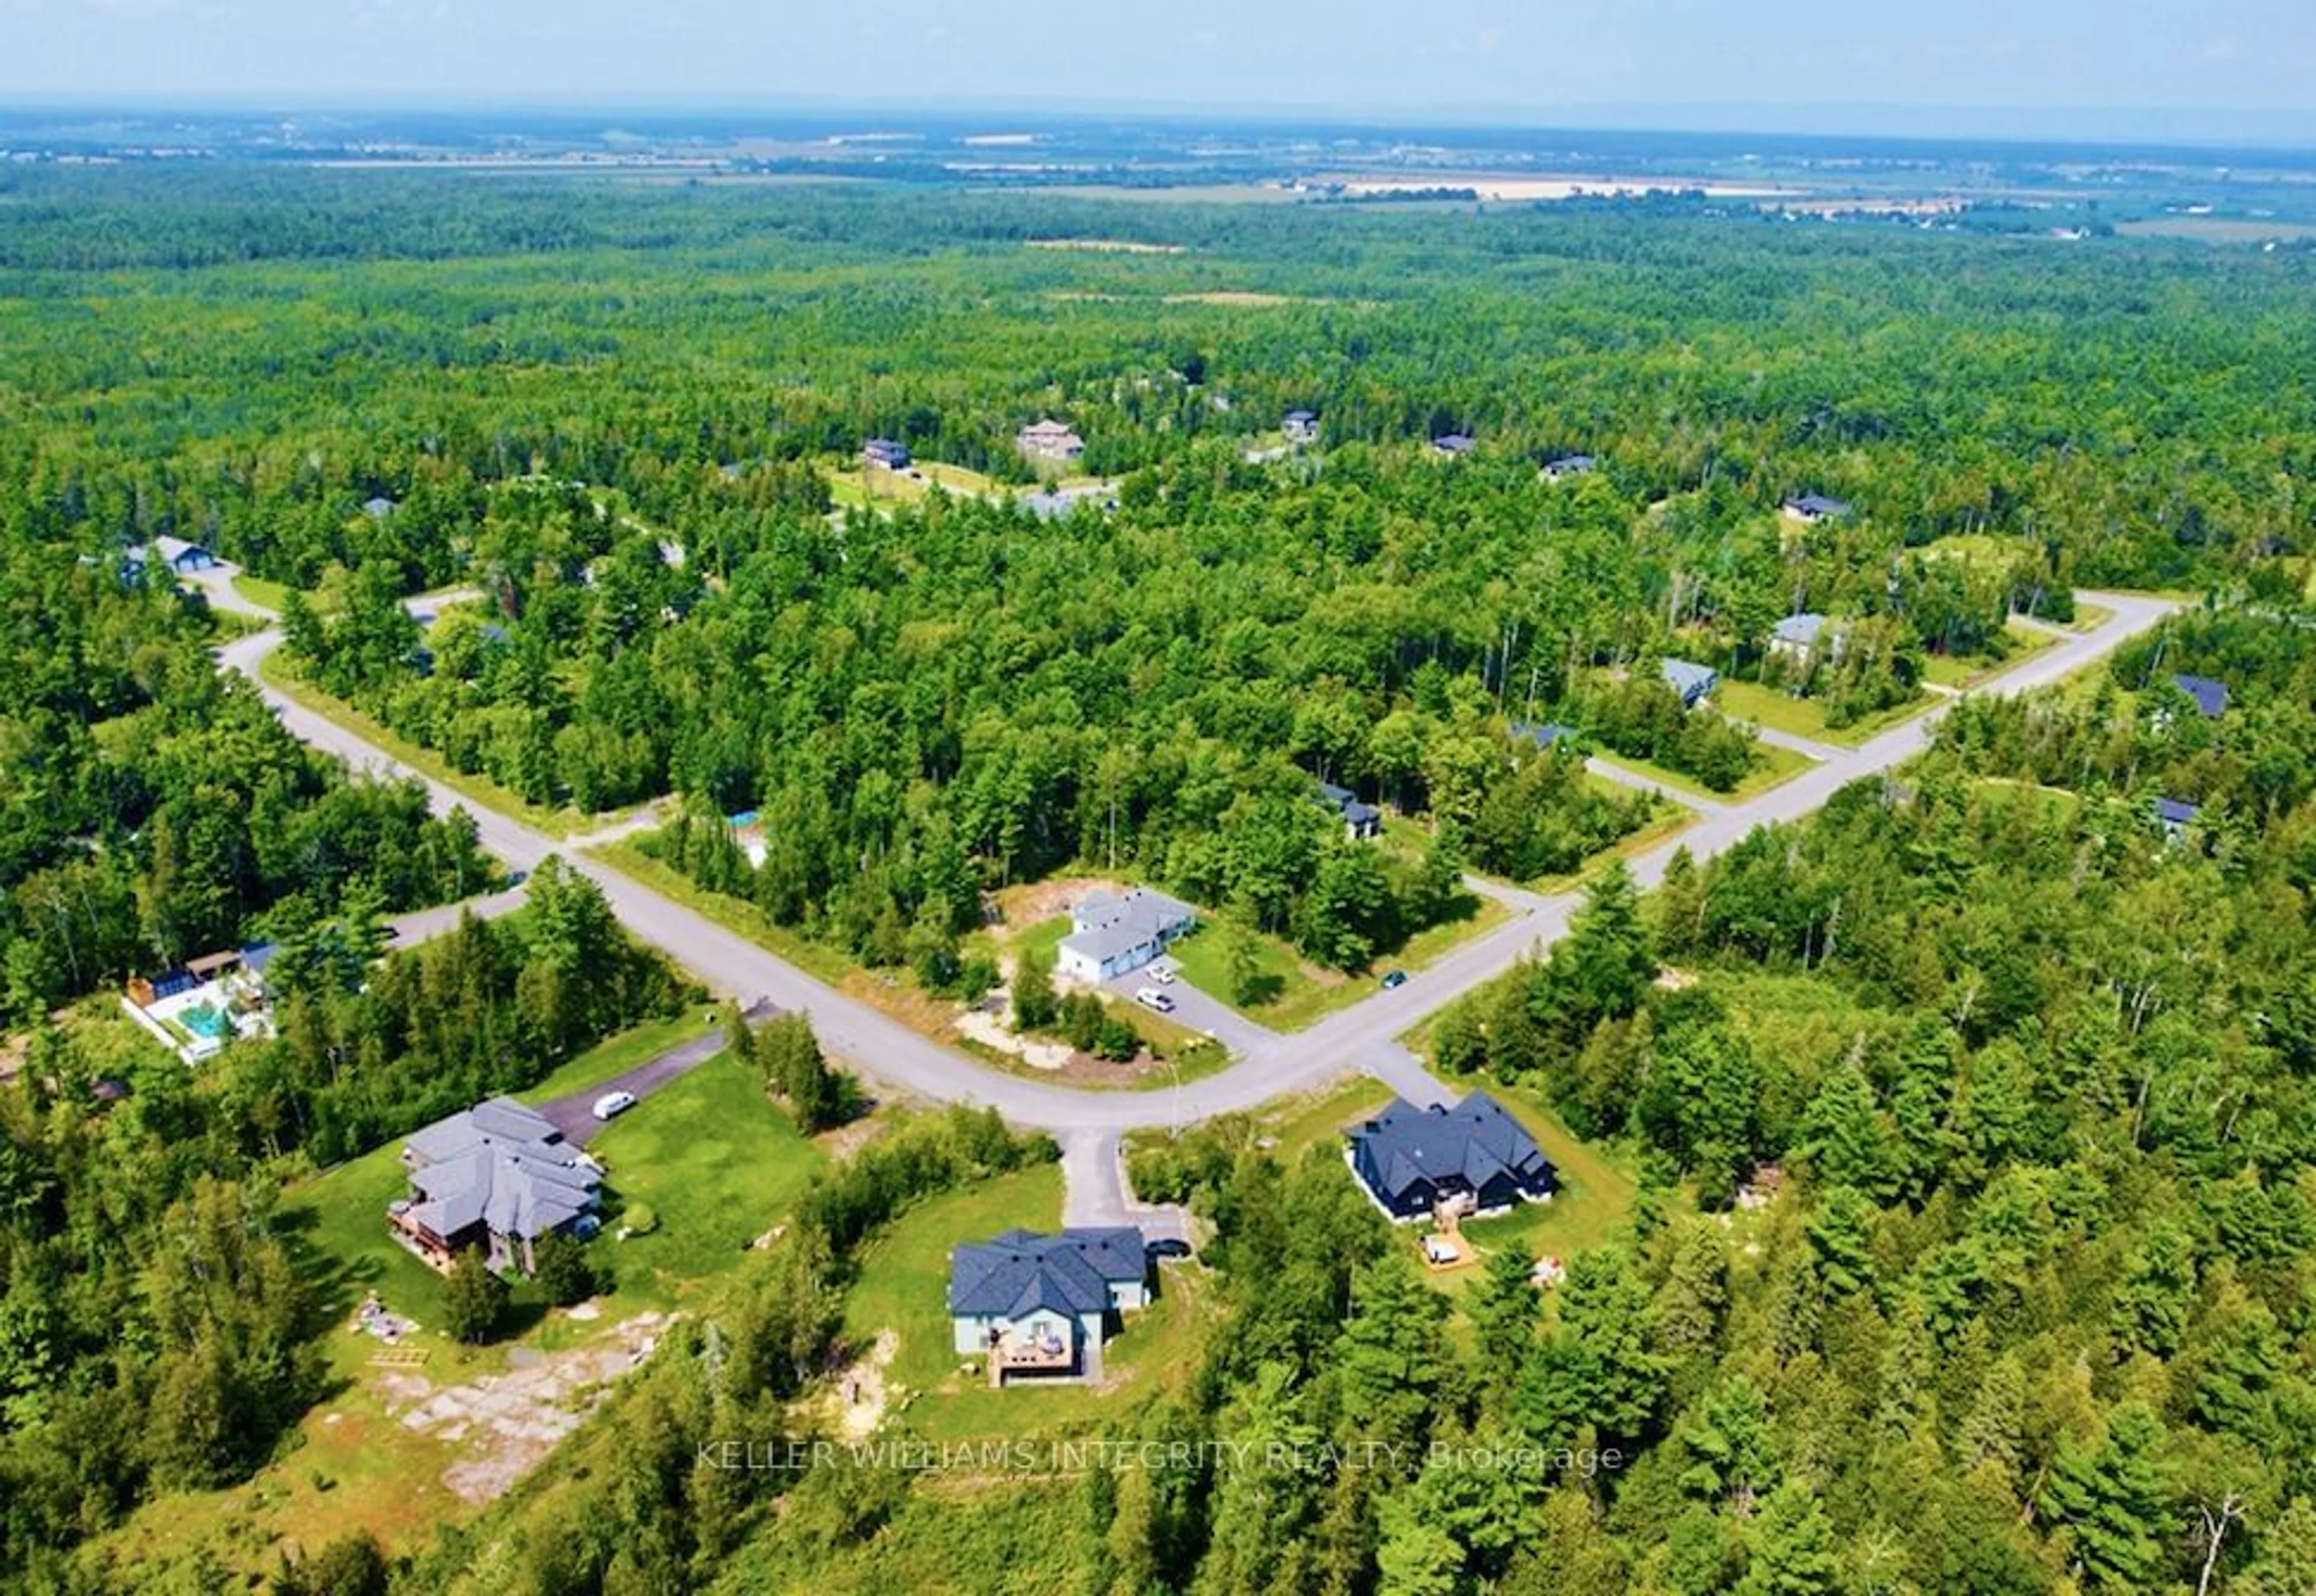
1360, 1038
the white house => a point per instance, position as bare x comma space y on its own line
1798, 638
1041, 1305
1111, 935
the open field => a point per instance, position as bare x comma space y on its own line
1306, 993
2218, 229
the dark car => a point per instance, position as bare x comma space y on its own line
1169, 1247
1398, 977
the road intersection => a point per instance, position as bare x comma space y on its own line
1362, 1038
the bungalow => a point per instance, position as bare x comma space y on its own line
1815, 507
1473, 1158
1360, 820
1568, 465
2175, 816
2211, 697
498, 1176
1691, 681
1451, 446
1048, 439
182, 558
1797, 638
1300, 426
885, 452
1111, 935
1041, 1305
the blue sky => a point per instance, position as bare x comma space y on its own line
1541, 61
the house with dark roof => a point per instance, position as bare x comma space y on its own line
1691, 681
1546, 735
1568, 465
497, 1177
2211, 697
2175, 816
1815, 507
182, 558
887, 452
1300, 426
1360, 820
1473, 1156
1041, 1305
1453, 445
1112, 934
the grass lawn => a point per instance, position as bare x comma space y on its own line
2026, 642
718, 1164
1805, 717
1771, 765
622, 1052
278, 674
734, 914
897, 992
1306, 992
257, 589
902, 1287
1591, 1207
853, 486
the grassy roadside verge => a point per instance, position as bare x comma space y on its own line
560, 823
896, 995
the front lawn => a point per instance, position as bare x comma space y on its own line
1771, 765
714, 1161
1805, 717
1302, 993
902, 1287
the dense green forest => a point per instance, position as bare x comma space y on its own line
155, 1322
151, 811
2033, 1310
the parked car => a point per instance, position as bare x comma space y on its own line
1398, 977
1163, 974
1151, 997
611, 1104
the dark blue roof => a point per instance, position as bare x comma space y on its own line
1406, 1152
1069, 1272
2211, 697
1818, 504
257, 955
1361, 814
2173, 811
1545, 735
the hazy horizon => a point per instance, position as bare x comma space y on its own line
2088, 70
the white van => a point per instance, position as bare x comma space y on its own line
1151, 997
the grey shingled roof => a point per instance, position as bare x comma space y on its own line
1688, 677
1801, 629
500, 1163
1818, 504
1070, 1271
1105, 925
2175, 812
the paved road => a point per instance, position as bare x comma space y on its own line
1094, 1190
424, 924
1360, 1038
1200, 1011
